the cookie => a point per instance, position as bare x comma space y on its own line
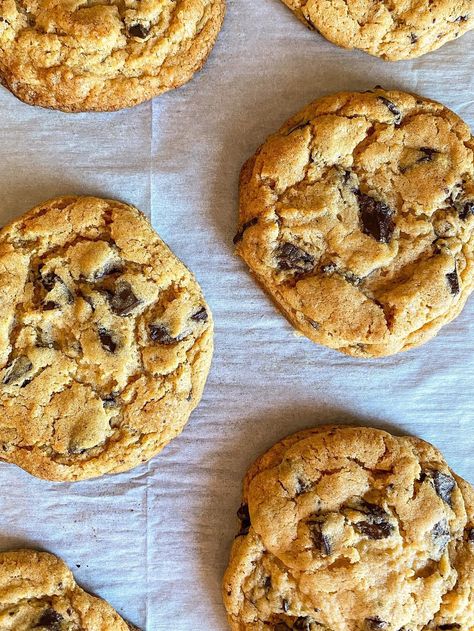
38, 591
103, 55
357, 217
400, 29
352, 529
105, 340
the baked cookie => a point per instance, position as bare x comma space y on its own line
103, 55
105, 340
352, 529
400, 29
38, 591
357, 217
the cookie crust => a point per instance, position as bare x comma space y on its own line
357, 218
102, 56
400, 29
105, 340
352, 529
38, 591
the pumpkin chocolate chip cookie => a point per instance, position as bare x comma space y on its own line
105, 340
38, 591
352, 529
399, 29
357, 217
103, 55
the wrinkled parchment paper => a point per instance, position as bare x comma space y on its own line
155, 541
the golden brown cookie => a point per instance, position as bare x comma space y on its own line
103, 55
352, 529
38, 591
399, 29
357, 217
105, 340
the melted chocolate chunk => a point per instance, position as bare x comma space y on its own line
428, 154
453, 625
441, 537
320, 540
109, 401
470, 535
291, 257
244, 516
376, 218
160, 334
303, 623
267, 583
466, 209
240, 233
107, 340
377, 525
50, 619
50, 305
49, 281
393, 108
201, 315
114, 267
282, 626
453, 282
17, 369
301, 486
444, 486
139, 30
376, 623
122, 300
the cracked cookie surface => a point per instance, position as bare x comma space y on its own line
357, 217
105, 340
84, 55
352, 529
399, 29
38, 591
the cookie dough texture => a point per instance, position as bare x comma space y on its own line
357, 217
399, 29
105, 340
38, 591
352, 529
83, 55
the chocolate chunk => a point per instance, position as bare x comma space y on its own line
301, 485
122, 300
428, 154
453, 282
282, 626
376, 218
285, 605
470, 535
49, 281
444, 485
453, 625
267, 583
50, 305
303, 623
374, 530
462, 18
240, 233
114, 267
106, 340
413, 38
291, 257
139, 30
201, 315
244, 516
320, 540
376, 623
17, 369
392, 107
109, 401
466, 209
159, 333
441, 537
50, 619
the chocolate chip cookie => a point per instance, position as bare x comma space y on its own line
400, 29
105, 340
38, 591
357, 217
103, 55
352, 529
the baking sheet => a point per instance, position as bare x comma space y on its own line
155, 541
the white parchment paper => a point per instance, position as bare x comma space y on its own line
155, 541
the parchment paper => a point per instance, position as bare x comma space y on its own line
155, 541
